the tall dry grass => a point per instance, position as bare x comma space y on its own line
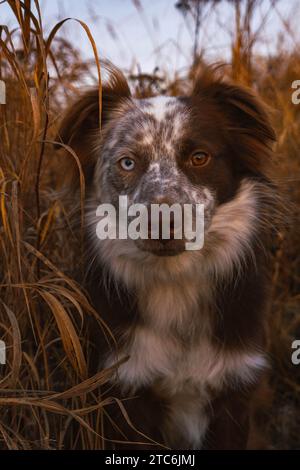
48, 398
45, 386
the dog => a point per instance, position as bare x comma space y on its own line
188, 326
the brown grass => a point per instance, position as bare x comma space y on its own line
45, 386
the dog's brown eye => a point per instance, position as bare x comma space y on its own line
127, 163
200, 158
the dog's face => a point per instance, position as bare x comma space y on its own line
160, 150
187, 150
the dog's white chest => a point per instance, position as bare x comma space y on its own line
156, 358
183, 372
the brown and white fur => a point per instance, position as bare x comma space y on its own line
190, 323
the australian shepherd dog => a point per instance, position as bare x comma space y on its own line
188, 325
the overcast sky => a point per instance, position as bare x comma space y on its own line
159, 35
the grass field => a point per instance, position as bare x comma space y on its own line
45, 385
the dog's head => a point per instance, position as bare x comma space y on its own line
206, 148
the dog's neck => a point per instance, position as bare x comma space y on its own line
178, 307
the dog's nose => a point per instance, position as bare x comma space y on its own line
160, 224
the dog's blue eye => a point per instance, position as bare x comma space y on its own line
127, 164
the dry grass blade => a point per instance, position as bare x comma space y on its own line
16, 348
68, 333
92, 41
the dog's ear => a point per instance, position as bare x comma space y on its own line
248, 125
80, 126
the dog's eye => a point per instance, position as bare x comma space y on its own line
200, 158
127, 163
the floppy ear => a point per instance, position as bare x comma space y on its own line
248, 125
80, 125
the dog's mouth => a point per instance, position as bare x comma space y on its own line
174, 243
169, 247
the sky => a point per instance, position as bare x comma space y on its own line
157, 34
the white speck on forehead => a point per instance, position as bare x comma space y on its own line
177, 123
157, 106
160, 105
